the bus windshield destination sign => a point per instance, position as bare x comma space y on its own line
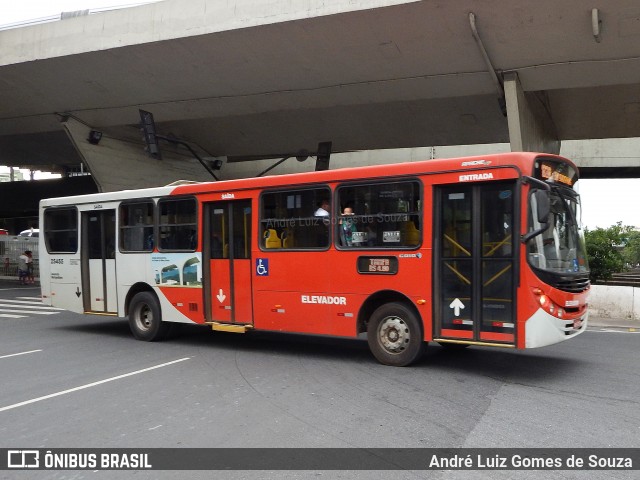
551, 170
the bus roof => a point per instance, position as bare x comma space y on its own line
522, 160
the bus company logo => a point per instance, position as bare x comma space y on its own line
23, 459
228, 196
410, 255
475, 176
475, 163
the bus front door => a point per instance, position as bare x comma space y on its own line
474, 264
227, 262
98, 259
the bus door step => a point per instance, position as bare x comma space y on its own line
106, 314
230, 327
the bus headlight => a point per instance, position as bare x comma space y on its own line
547, 304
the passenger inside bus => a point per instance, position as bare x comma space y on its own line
348, 228
323, 209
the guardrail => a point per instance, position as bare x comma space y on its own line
11, 247
625, 279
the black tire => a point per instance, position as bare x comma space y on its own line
395, 335
145, 318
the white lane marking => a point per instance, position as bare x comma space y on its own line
9, 315
31, 301
28, 305
39, 299
24, 301
21, 353
35, 312
89, 385
616, 330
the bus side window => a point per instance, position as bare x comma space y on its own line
295, 219
136, 226
61, 230
383, 215
177, 224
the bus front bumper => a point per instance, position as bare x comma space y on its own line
543, 329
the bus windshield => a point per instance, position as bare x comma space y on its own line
560, 248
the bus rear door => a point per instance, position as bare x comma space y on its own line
98, 259
227, 262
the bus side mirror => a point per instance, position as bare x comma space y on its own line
543, 210
543, 205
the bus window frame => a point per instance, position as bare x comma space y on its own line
381, 181
159, 225
330, 218
153, 225
46, 230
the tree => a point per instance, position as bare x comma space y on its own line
604, 250
631, 252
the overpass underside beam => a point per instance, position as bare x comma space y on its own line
531, 128
119, 164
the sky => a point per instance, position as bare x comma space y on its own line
604, 201
608, 201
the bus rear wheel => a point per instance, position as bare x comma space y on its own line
395, 335
145, 318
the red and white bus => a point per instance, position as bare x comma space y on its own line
468, 251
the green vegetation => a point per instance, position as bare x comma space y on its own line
631, 251
612, 250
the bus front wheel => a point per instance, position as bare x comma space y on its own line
395, 335
145, 318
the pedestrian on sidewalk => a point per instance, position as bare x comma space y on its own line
30, 278
23, 268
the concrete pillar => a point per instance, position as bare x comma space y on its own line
531, 128
117, 164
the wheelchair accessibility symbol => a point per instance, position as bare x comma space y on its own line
262, 267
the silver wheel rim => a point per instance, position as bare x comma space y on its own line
144, 317
394, 334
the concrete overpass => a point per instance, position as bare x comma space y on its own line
248, 79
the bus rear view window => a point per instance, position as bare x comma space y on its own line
61, 230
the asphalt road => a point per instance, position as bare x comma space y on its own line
74, 381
